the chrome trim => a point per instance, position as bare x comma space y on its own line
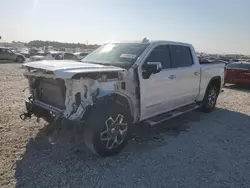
48, 107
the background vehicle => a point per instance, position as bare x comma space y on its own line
69, 56
205, 61
54, 56
25, 53
120, 84
41, 56
220, 61
81, 55
35, 51
237, 73
8, 55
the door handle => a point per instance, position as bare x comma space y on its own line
195, 73
172, 77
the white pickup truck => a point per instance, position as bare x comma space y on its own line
120, 84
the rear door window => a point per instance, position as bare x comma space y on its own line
180, 56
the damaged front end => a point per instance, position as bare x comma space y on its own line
40, 110
54, 98
47, 98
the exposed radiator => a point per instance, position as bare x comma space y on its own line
52, 92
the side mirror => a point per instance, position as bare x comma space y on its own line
151, 68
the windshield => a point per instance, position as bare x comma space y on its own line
122, 55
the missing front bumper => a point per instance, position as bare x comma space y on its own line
41, 110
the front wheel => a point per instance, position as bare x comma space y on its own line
210, 99
107, 129
20, 59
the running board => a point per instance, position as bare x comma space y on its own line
168, 115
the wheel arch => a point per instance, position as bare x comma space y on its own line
113, 97
20, 56
214, 81
120, 98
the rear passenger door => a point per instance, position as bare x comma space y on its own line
186, 75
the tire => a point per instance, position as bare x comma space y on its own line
210, 99
107, 129
19, 59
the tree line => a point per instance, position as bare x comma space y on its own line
40, 43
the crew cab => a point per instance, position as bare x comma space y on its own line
121, 84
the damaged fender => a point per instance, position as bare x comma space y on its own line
69, 94
82, 93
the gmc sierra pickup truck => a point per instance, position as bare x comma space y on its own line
119, 85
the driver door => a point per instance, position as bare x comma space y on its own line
158, 91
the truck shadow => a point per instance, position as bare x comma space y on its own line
53, 156
240, 87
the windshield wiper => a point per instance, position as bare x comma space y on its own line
96, 62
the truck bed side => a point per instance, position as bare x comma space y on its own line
208, 72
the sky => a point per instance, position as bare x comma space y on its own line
214, 26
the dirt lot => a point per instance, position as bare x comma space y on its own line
194, 150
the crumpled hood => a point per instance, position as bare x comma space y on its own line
68, 68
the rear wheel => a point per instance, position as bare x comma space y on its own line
107, 129
210, 98
20, 59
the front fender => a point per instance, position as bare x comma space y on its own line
120, 97
104, 93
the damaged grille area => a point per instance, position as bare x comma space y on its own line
51, 91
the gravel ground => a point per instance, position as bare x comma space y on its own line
194, 150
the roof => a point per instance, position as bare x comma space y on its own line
170, 42
152, 42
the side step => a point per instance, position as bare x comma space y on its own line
168, 115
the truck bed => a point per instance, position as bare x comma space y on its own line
208, 71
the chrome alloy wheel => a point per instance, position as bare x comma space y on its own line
212, 98
114, 132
